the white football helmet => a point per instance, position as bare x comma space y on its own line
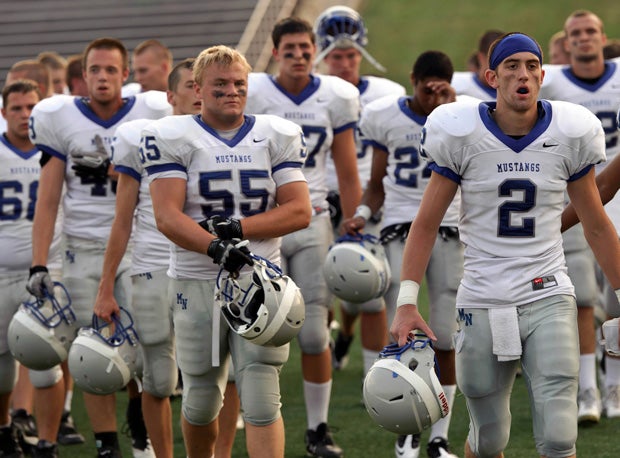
41, 331
341, 27
401, 390
356, 268
101, 361
269, 311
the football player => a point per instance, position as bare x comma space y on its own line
341, 39
327, 109
75, 135
149, 263
245, 172
513, 160
19, 180
393, 126
592, 82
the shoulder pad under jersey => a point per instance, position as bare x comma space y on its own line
573, 120
155, 100
339, 87
130, 131
281, 125
54, 103
457, 119
171, 127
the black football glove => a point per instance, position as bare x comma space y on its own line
40, 282
232, 255
223, 228
92, 164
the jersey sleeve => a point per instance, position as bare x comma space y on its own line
161, 148
288, 150
345, 104
125, 147
371, 124
44, 131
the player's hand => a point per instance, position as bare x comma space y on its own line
406, 320
442, 91
106, 306
353, 225
91, 163
223, 228
40, 282
232, 255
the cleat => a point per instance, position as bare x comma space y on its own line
590, 407
407, 446
320, 443
25, 429
439, 448
9, 444
44, 449
67, 433
611, 404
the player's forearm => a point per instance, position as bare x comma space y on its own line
42, 235
606, 248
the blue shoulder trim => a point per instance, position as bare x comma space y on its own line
165, 168
128, 171
445, 171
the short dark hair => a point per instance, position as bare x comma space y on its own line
107, 43
175, 74
288, 26
433, 63
23, 86
487, 39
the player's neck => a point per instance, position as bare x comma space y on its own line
21, 143
106, 110
515, 123
589, 69
293, 86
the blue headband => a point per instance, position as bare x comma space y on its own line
512, 44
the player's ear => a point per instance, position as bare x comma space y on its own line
491, 77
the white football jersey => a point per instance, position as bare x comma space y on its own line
232, 178
601, 97
64, 125
512, 195
151, 249
327, 106
371, 88
467, 83
389, 124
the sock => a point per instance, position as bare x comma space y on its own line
587, 372
68, 400
369, 357
317, 397
440, 428
107, 439
612, 371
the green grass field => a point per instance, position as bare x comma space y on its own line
399, 30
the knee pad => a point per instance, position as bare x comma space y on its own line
491, 441
160, 372
259, 391
314, 335
372, 306
8, 373
46, 378
560, 428
201, 401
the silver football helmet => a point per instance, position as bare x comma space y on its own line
102, 360
401, 390
356, 268
266, 308
342, 27
41, 331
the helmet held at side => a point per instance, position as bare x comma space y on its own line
40, 333
266, 307
356, 268
102, 360
401, 390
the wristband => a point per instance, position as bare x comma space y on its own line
408, 293
363, 211
35, 269
618, 294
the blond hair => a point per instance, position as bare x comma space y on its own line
218, 55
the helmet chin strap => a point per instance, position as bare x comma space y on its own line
347, 43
